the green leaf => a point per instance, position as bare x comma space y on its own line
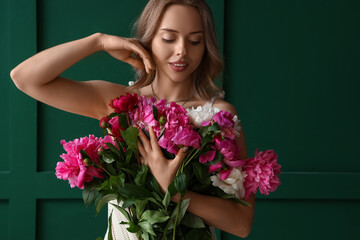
130, 136
108, 157
123, 120
215, 128
116, 182
153, 184
180, 183
123, 211
172, 189
155, 113
166, 200
128, 202
204, 130
192, 221
146, 226
178, 213
145, 235
84, 154
113, 149
183, 208
201, 172
205, 140
133, 228
133, 191
114, 114
89, 195
129, 156
198, 234
140, 178
110, 227
153, 216
103, 201
140, 207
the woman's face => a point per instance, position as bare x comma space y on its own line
178, 45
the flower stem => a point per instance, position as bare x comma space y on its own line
177, 216
101, 167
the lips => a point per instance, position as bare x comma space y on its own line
178, 66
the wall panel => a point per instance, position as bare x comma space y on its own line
4, 89
291, 72
304, 219
69, 219
4, 215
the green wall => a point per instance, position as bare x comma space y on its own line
292, 71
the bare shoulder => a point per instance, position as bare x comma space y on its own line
224, 105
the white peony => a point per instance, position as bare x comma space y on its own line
234, 184
201, 114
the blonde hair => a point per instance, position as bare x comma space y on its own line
211, 65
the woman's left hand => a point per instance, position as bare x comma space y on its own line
163, 169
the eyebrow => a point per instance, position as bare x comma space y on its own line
172, 30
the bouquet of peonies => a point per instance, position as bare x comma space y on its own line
108, 168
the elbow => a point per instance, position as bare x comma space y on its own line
14, 75
244, 232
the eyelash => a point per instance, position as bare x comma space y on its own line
171, 41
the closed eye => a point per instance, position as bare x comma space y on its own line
194, 42
168, 40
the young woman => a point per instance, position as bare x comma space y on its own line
176, 57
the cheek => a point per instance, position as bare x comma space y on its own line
198, 54
160, 52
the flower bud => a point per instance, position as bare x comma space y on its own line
162, 120
87, 161
101, 149
104, 122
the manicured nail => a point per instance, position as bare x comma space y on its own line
185, 149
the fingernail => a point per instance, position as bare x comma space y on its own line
185, 149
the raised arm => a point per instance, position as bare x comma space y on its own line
39, 76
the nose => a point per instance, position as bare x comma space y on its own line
181, 48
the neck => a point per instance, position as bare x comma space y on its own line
172, 91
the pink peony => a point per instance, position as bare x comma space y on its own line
73, 168
116, 128
224, 119
186, 136
142, 115
262, 173
166, 140
176, 115
213, 168
228, 148
207, 157
124, 103
228, 132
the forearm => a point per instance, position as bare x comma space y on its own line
224, 214
50, 63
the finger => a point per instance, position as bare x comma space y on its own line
136, 48
141, 149
142, 160
153, 139
135, 63
144, 140
180, 156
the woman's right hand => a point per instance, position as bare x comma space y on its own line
128, 50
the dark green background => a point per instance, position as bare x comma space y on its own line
292, 71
